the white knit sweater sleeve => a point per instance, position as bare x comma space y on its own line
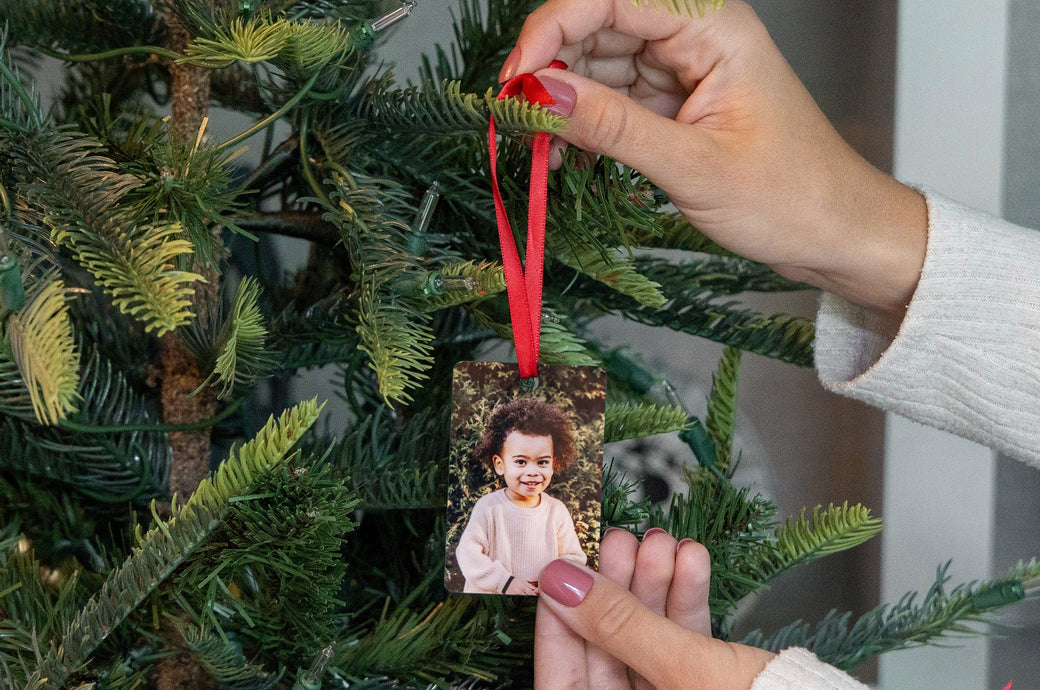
798, 669
966, 357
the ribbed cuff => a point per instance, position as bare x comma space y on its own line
799, 669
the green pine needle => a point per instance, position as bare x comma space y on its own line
79, 25
77, 193
243, 356
676, 232
514, 116
20, 108
223, 660
831, 530
429, 107
43, 346
619, 509
33, 609
722, 275
840, 640
802, 540
779, 336
397, 340
395, 463
453, 638
139, 272
636, 420
446, 109
309, 44
613, 270
112, 467
558, 344
721, 420
167, 545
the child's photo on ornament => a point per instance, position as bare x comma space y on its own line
525, 480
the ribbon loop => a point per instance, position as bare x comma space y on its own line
524, 285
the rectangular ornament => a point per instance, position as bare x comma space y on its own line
525, 481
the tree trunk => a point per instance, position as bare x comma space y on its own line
180, 670
179, 371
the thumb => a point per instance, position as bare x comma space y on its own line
602, 120
664, 653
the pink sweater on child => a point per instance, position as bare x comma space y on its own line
503, 540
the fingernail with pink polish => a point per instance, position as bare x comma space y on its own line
653, 530
563, 94
683, 543
510, 65
565, 582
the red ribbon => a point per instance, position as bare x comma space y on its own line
524, 287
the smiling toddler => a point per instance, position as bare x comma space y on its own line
515, 531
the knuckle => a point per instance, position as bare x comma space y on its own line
614, 617
607, 129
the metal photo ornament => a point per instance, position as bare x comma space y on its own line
525, 475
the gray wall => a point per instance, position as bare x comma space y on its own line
1015, 652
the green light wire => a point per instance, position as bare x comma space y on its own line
167, 428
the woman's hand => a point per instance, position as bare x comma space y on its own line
641, 622
709, 110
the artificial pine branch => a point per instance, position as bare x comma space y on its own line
41, 343
627, 420
30, 608
619, 509
184, 182
240, 354
722, 275
166, 546
675, 232
613, 270
484, 31
464, 282
843, 642
19, 107
240, 588
395, 465
309, 45
223, 660
316, 334
397, 341
796, 542
78, 25
557, 344
731, 523
133, 260
721, 420
109, 450
780, 336
455, 638
601, 206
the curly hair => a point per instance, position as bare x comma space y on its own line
534, 418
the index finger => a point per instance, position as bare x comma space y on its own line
614, 27
555, 24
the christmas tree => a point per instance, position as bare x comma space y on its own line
143, 340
